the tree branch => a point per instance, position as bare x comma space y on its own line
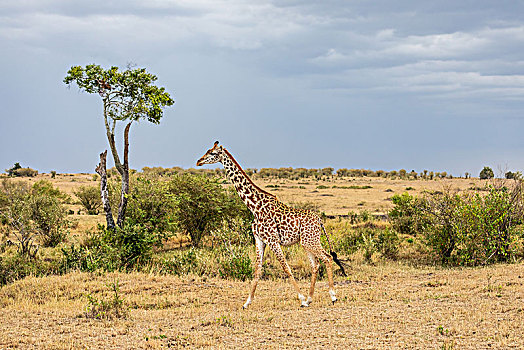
125, 179
104, 194
110, 132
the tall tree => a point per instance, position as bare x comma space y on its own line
127, 96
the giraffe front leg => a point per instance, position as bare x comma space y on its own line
277, 250
260, 247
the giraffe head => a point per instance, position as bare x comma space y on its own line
213, 155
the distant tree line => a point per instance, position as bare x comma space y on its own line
290, 173
304, 173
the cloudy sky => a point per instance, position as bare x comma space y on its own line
435, 85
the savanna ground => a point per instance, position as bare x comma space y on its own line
382, 304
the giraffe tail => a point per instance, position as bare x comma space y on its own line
332, 252
335, 259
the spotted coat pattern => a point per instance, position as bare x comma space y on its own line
276, 225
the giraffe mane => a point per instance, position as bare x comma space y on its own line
244, 173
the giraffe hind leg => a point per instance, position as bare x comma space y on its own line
328, 261
314, 271
319, 252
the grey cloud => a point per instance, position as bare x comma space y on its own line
379, 71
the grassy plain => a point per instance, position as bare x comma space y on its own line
383, 305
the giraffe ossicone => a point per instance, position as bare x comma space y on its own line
276, 225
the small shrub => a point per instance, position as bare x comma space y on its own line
388, 243
408, 215
513, 175
368, 244
122, 249
107, 309
182, 263
349, 242
11, 171
364, 216
465, 229
486, 173
201, 205
46, 188
89, 198
16, 266
235, 263
25, 172
49, 218
33, 212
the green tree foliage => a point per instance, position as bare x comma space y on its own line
486, 173
130, 95
127, 95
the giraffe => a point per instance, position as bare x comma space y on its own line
276, 225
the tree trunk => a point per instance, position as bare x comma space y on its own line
101, 170
125, 179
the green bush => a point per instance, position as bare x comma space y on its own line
201, 205
46, 188
11, 171
513, 175
388, 243
49, 219
235, 263
182, 262
408, 214
16, 266
465, 229
17, 170
488, 227
33, 212
152, 205
89, 198
486, 173
122, 249
25, 172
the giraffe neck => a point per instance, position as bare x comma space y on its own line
251, 194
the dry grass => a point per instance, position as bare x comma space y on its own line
380, 307
351, 194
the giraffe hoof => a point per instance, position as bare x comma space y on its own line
334, 301
304, 304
